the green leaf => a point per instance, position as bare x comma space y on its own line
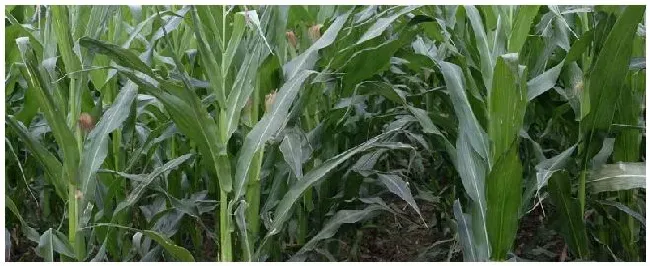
487, 62
333, 224
282, 212
101, 253
472, 171
572, 226
30, 105
254, 19
397, 186
49, 107
137, 191
95, 146
383, 23
53, 241
295, 150
579, 47
242, 90
619, 176
544, 81
240, 219
624, 209
357, 69
307, 59
503, 198
121, 56
176, 251
209, 62
170, 23
455, 82
523, 19
50, 163
29, 232
605, 151
546, 168
506, 105
609, 69
465, 234
268, 126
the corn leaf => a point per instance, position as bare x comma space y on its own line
137, 191
544, 81
506, 105
53, 241
624, 209
465, 234
609, 69
52, 113
95, 146
240, 219
283, 209
383, 23
268, 126
176, 251
29, 232
397, 186
546, 168
333, 224
523, 20
572, 227
50, 163
308, 58
242, 89
503, 198
116, 53
295, 150
619, 176
487, 62
455, 81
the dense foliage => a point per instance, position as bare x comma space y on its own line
274, 133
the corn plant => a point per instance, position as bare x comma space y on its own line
273, 133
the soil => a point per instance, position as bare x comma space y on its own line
22, 250
393, 238
404, 236
537, 242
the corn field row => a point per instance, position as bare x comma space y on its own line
289, 133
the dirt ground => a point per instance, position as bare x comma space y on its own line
407, 239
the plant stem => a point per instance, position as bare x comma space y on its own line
224, 227
253, 196
581, 191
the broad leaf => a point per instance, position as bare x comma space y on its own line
95, 146
139, 188
543, 82
465, 234
53, 241
307, 59
333, 224
397, 186
383, 23
609, 69
619, 176
572, 226
282, 212
268, 126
